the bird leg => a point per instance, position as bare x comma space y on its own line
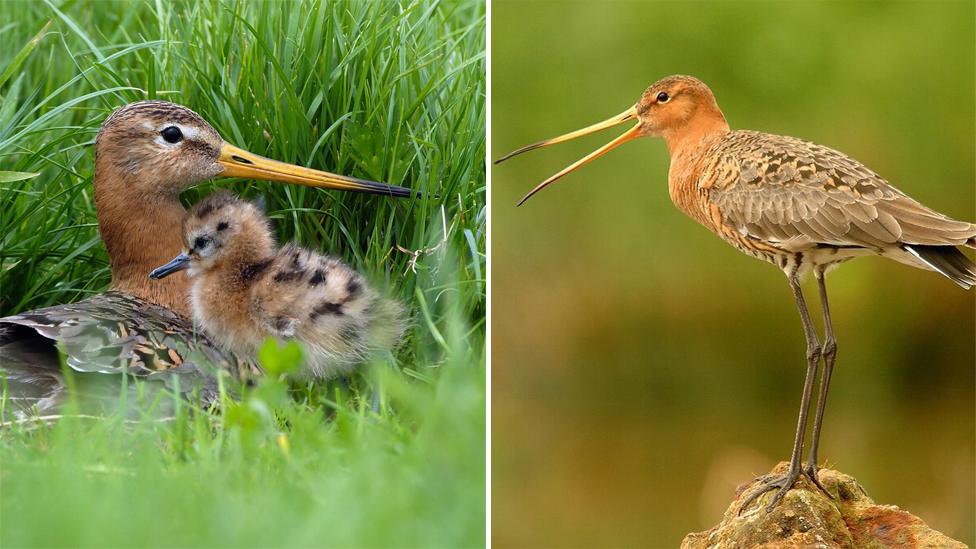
829, 356
783, 483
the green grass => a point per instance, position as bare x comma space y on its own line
390, 92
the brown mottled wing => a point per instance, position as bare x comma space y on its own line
785, 190
119, 333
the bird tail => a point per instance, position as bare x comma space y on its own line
29, 372
948, 261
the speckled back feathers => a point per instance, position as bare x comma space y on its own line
785, 190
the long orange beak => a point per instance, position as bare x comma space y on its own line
633, 133
239, 163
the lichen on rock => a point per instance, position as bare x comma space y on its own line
809, 519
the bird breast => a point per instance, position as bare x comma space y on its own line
223, 311
693, 171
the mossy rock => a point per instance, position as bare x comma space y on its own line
807, 518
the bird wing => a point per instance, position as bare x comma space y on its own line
117, 333
781, 189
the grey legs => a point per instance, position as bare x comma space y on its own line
784, 482
829, 350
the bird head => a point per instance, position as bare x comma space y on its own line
670, 107
671, 104
164, 148
220, 227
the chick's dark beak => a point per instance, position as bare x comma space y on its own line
178, 263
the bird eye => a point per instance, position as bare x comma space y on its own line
663, 97
199, 243
172, 134
222, 226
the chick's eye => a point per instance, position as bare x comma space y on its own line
199, 243
663, 97
172, 134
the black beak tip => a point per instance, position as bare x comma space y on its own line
401, 192
409, 193
395, 191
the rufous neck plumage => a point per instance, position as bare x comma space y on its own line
141, 233
706, 121
686, 143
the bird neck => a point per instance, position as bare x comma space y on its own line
687, 145
707, 122
141, 232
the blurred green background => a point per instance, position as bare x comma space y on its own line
641, 367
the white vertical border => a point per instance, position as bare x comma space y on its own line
488, 274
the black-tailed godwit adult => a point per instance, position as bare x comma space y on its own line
800, 206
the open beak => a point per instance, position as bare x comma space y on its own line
633, 133
178, 263
239, 163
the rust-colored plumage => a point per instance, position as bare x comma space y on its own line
801, 206
146, 154
138, 180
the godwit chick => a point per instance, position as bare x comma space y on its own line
800, 206
246, 289
146, 154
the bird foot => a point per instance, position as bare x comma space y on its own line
810, 471
767, 483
